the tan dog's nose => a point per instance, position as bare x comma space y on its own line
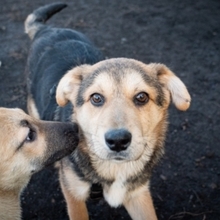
118, 139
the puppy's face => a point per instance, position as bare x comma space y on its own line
121, 106
27, 145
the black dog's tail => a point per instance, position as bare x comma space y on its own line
35, 21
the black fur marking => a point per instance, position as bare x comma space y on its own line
82, 165
45, 12
96, 191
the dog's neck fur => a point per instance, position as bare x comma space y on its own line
85, 168
10, 205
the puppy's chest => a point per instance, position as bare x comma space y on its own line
114, 193
113, 189
112, 181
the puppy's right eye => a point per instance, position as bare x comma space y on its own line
97, 100
31, 136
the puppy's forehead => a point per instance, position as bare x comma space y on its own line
13, 118
126, 81
115, 75
10, 114
119, 69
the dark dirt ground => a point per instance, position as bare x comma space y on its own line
184, 35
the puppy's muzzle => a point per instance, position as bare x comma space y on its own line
118, 139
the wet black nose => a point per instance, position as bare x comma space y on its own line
118, 139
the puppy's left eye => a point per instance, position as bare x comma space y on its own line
141, 98
97, 99
31, 136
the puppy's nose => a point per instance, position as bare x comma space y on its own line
118, 139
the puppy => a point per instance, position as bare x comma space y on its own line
26, 146
120, 106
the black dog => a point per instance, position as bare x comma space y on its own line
53, 52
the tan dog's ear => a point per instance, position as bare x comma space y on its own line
178, 90
69, 84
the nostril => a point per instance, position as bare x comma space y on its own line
110, 141
118, 139
125, 141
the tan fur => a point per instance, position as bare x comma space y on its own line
76, 207
15, 167
147, 124
179, 93
21, 156
32, 109
140, 206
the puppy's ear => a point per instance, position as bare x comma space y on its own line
176, 87
69, 84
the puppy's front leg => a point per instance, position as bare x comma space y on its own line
77, 209
140, 205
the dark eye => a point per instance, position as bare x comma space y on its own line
141, 98
31, 136
97, 99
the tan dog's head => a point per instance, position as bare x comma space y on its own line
121, 106
27, 145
